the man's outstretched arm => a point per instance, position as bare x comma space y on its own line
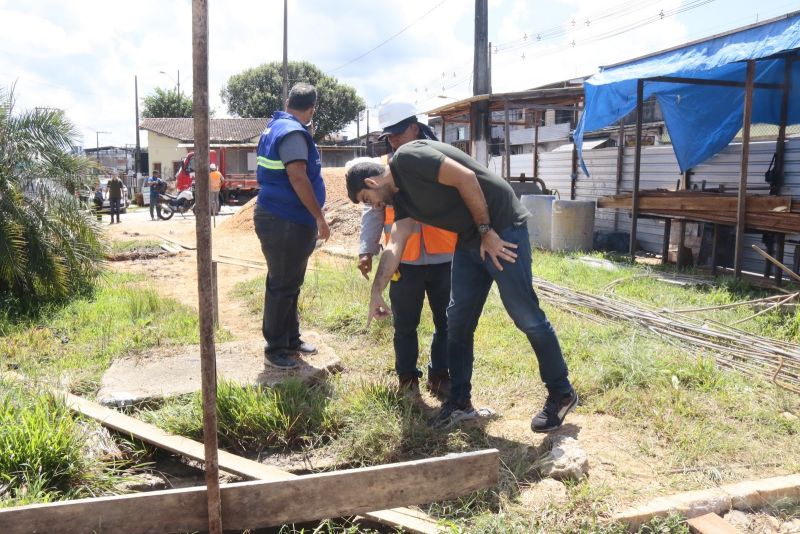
390, 261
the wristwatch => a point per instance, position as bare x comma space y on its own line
483, 229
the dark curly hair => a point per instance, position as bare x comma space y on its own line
359, 172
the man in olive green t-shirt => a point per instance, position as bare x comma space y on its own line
114, 196
437, 184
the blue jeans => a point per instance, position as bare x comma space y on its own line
407, 296
114, 206
471, 281
286, 247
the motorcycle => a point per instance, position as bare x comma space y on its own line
169, 205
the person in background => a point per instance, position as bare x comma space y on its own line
97, 200
215, 181
114, 196
288, 219
154, 182
424, 267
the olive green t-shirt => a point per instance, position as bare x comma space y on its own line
415, 167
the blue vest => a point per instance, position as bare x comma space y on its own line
276, 194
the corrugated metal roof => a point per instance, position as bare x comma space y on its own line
220, 131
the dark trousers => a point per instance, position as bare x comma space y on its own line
114, 206
472, 279
286, 247
407, 296
153, 204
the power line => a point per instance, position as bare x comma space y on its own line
431, 10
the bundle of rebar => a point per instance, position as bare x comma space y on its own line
730, 347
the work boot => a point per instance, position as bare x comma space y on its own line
408, 386
439, 383
556, 408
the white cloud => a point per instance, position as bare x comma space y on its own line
82, 56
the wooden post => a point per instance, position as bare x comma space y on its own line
637, 166
620, 161
507, 142
537, 118
665, 245
479, 111
741, 222
684, 184
204, 270
714, 250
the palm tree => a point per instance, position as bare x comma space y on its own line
50, 248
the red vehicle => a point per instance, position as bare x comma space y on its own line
237, 165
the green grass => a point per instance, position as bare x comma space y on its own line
120, 246
290, 415
43, 451
679, 409
75, 344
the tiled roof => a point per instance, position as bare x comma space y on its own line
221, 130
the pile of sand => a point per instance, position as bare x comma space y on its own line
343, 216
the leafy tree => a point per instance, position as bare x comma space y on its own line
49, 246
257, 92
166, 103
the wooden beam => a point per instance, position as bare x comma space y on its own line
740, 216
711, 524
405, 518
698, 202
260, 504
637, 167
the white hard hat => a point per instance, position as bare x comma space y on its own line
395, 110
213, 167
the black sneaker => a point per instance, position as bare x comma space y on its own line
556, 408
452, 413
305, 349
280, 360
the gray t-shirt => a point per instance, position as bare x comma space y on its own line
415, 167
293, 147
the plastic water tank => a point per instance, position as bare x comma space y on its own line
573, 225
539, 223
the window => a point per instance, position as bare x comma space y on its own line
564, 116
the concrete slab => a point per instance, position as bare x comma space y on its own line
170, 371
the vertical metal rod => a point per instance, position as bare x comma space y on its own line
637, 167
537, 118
741, 222
507, 142
215, 294
781, 250
780, 147
573, 181
204, 254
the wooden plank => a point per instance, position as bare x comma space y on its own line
259, 504
410, 520
699, 202
711, 524
249, 265
170, 240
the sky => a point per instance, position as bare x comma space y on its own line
82, 56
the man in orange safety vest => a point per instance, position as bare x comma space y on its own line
424, 267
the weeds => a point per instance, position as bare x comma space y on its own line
288, 415
43, 451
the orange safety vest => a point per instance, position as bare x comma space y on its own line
214, 181
427, 244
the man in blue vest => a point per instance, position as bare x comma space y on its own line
288, 220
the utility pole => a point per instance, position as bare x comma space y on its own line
479, 111
179, 84
138, 146
205, 276
97, 144
369, 146
285, 53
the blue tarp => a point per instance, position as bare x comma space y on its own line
701, 119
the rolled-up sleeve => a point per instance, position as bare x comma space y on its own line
371, 230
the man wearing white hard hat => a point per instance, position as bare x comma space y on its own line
424, 268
